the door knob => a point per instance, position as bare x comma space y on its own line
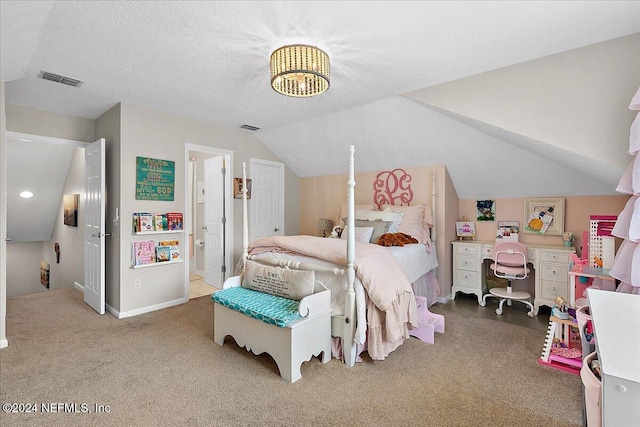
204, 228
276, 229
98, 235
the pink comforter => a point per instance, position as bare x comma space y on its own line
391, 307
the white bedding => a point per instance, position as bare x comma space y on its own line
414, 260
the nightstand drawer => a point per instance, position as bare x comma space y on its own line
467, 279
562, 257
550, 290
554, 272
467, 249
467, 263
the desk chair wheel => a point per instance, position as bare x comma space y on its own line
498, 311
483, 303
530, 314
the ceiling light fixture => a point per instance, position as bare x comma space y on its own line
26, 194
299, 70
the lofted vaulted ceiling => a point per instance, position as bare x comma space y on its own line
389, 63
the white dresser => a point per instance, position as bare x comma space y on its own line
550, 264
616, 324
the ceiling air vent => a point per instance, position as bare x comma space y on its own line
60, 79
249, 127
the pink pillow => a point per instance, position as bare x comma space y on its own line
416, 222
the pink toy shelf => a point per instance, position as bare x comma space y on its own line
559, 344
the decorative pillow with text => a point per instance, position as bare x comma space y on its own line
281, 282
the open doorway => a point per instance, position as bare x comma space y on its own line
36, 227
208, 218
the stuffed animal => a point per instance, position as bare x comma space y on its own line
395, 239
336, 232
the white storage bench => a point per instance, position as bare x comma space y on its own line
291, 332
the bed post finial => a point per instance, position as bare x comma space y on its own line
349, 345
245, 221
351, 229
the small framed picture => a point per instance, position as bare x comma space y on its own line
486, 210
465, 229
70, 203
237, 188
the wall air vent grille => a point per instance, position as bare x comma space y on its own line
60, 79
249, 127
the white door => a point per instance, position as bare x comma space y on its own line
94, 225
267, 199
213, 221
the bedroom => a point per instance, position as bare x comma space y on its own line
456, 113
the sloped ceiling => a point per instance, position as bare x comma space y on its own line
42, 169
209, 61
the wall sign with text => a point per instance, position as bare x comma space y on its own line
155, 179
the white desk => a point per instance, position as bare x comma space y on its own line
616, 322
550, 262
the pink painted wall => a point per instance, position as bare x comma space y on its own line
577, 211
321, 197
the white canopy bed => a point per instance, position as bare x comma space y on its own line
374, 306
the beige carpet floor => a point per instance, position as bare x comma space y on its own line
163, 369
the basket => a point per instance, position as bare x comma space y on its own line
496, 282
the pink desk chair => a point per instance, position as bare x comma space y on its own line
510, 262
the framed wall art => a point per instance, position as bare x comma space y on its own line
486, 210
155, 179
70, 206
544, 216
237, 188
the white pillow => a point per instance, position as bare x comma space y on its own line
394, 217
281, 282
363, 234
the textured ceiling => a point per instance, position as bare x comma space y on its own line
209, 61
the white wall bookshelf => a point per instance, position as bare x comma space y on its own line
157, 264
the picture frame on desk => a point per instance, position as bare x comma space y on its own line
465, 229
536, 209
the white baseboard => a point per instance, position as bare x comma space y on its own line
112, 310
138, 311
4, 343
445, 299
198, 272
78, 286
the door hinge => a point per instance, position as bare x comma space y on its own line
223, 171
223, 268
224, 219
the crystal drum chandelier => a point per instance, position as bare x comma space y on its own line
299, 70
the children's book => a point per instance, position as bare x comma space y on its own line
175, 252
143, 252
174, 220
163, 253
135, 222
169, 242
161, 222
145, 222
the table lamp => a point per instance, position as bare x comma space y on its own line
325, 225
